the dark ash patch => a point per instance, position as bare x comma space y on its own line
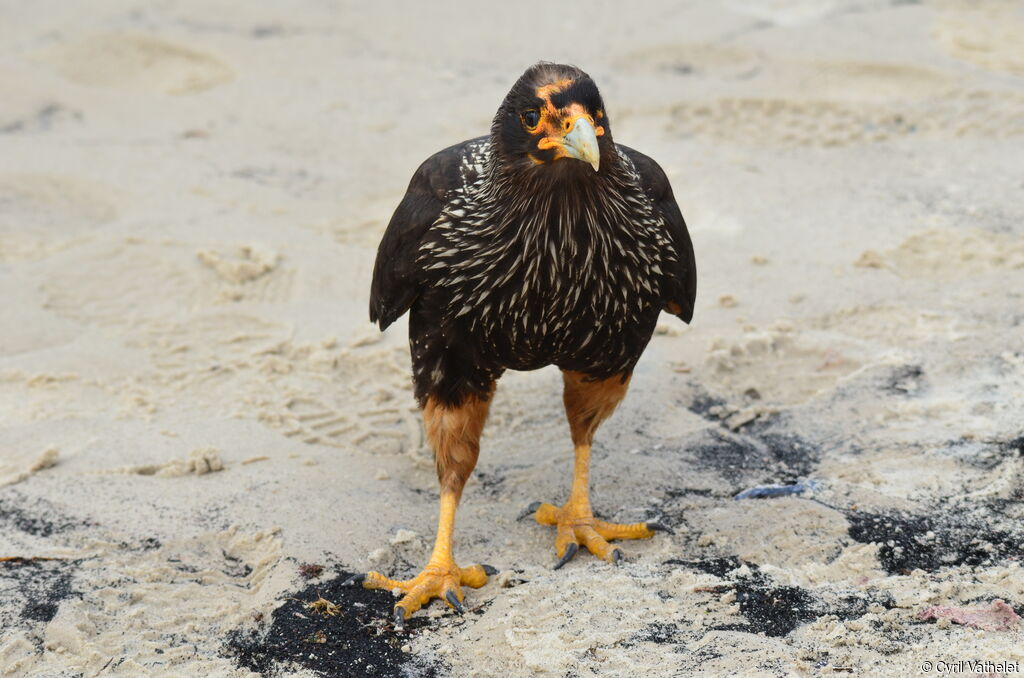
38, 586
775, 610
708, 406
359, 642
1015, 445
661, 633
757, 457
28, 516
761, 451
772, 610
956, 540
906, 380
718, 567
734, 457
795, 457
853, 605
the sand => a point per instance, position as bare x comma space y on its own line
194, 409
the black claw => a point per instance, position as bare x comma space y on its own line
529, 510
570, 551
355, 580
616, 557
399, 616
489, 570
659, 527
454, 601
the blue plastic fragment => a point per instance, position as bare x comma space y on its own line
768, 491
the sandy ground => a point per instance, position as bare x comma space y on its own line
193, 404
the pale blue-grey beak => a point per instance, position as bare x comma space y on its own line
581, 143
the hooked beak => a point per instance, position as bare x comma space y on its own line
581, 143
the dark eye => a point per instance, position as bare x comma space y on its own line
531, 118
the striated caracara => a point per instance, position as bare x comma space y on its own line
543, 243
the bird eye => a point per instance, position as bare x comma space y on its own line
531, 118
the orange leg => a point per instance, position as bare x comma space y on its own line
587, 404
454, 432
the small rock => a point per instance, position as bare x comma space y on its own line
378, 556
403, 537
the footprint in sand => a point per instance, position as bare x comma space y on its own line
354, 397
845, 103
833, 123
745, 367
249, 273
987, 34
889, 324
138, 62
384, 421
38, 212
946, 253
135, 280
788, 122
122, 283
866, 80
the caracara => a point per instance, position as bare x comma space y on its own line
543, 243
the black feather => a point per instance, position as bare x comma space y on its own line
396, 278
681, 282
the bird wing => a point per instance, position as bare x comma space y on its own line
680, 282
396, 273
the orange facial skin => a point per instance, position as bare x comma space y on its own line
555, 123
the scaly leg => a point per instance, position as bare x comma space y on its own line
587, 404
454, 433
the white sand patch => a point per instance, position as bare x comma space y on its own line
44, 213
251, 262
199, 462
12, 472
950, 253
986, 34
139, 604
747, 366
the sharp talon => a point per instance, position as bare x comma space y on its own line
489, 570
659, 527
355, 580
399, 616
616, 557
570, 551
529, 510
454, 601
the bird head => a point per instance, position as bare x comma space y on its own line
553, 117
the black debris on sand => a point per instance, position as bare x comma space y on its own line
358, 642
34, 589
928, 542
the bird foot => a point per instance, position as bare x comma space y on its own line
576, 526
443, 579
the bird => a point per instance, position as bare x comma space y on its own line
541, 243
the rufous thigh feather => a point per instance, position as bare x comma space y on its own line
589, 402
454, 433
